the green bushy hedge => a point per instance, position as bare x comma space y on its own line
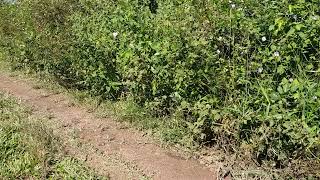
242, 73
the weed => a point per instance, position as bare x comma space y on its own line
231, 73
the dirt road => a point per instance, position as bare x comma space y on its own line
106, 145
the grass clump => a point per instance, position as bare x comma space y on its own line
28, 150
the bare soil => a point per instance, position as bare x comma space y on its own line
109, 147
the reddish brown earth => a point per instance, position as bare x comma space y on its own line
107, 146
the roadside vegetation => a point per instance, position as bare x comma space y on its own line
239, 75
29, 150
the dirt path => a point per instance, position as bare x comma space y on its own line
107, 146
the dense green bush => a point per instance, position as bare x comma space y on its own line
242, 73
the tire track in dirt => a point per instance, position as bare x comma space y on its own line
122, 153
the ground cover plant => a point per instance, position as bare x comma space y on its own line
243, 75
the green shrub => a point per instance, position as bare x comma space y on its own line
238, 73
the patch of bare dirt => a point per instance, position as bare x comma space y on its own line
107, 147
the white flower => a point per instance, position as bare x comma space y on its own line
244, 52
290, 80
276, 54
115, 34
220, 38
260, 70
218, 51
314, 97
263, 39
295, 17
233, 5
